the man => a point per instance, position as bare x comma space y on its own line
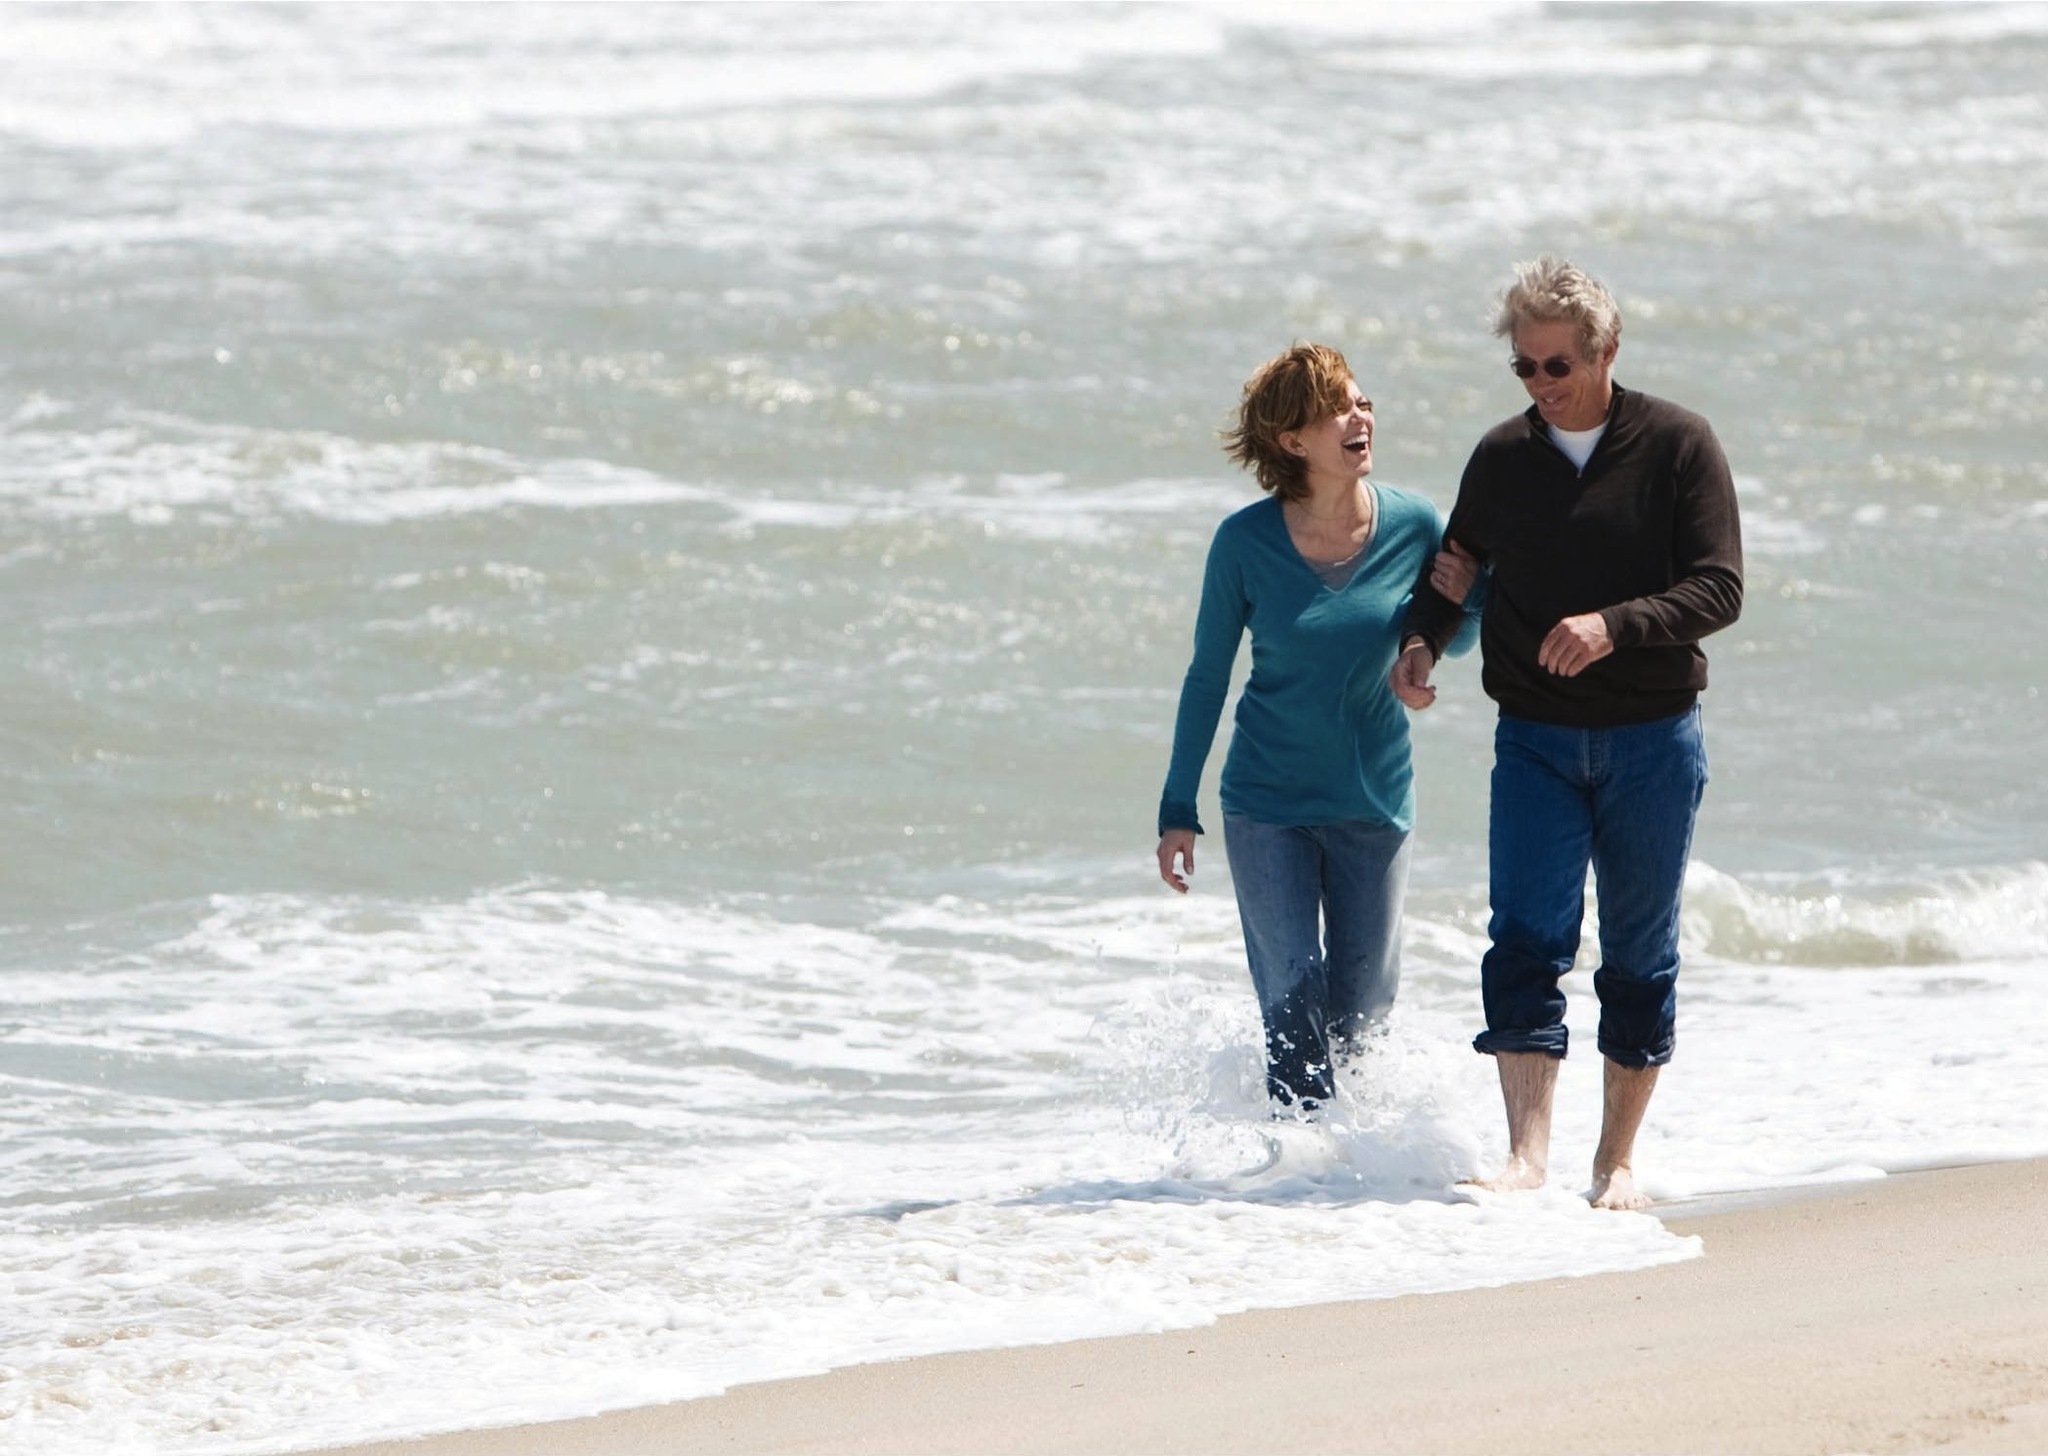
1607, 518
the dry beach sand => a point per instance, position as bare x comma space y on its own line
1906, 1314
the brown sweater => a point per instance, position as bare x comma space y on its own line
1648, 537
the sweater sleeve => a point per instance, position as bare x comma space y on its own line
1705, 594
1466, 635
1219, 628
1448, 628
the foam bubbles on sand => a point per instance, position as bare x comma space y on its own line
540, 1152
612, 1151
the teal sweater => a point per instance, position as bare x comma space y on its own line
1320, 736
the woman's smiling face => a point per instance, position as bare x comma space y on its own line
1340, 447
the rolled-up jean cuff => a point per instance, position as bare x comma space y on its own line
1550, 1041
1638, 1057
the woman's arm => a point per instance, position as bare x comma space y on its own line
1219, 627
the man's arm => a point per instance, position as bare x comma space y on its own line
1432, 617
1433, 621
1706, 547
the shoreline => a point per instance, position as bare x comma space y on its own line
1893, 1314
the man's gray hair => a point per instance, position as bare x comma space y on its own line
1551, 289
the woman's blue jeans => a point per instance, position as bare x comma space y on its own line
1319, 984
1622, 800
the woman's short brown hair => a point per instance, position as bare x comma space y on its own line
1307, 384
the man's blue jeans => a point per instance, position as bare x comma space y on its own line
1318, 986
1624, 801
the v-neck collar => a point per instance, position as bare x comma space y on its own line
1358, 559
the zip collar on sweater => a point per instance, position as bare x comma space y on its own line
1621, 413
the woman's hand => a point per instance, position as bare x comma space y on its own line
1177, 842
1410, 677
1453, 572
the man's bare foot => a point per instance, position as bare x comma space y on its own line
1528, 1081
1519, 1176
1624, 1099
1616, 1188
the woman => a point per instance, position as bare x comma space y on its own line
1317, 789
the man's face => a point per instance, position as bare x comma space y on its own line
1579, 400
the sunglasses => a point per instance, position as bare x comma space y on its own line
1556, 366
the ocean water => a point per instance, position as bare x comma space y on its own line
595, 603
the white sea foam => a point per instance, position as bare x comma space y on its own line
1038, 508
160, 78
1959, 919
770, 141
152, 469
637, 1151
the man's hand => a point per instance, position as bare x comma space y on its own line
1177, 842
1453, 571
1410, 677
1574, 645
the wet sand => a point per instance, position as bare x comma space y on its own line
1899, 1315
